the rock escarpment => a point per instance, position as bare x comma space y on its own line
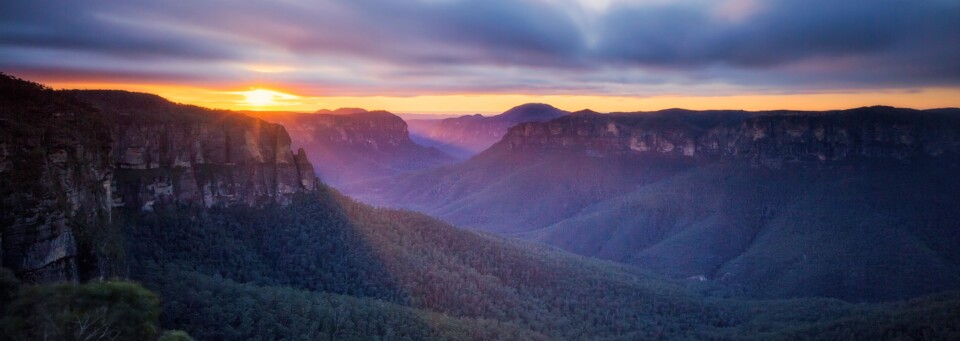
165, 152
565, 164
55, 176
769, 139
355, 144
68, 158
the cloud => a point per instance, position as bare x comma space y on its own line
871, 40
369, 47
73, 26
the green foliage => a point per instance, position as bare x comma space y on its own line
283, 272
309, 245
327, 243
214, 308
934, 317
93, 311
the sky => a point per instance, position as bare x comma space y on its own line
462, 56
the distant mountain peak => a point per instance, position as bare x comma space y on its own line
585, 112
534, 106
341, 111
532, 112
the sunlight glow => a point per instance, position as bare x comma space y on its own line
260, 98
263, 97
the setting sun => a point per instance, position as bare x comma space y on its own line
262, 97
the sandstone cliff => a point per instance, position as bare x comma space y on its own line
55, 175
68, 158
165, 152
769, 139
353, 144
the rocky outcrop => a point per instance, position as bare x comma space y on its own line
68, 158
55, 175
354, 144
466, 136
186, 154
769, 139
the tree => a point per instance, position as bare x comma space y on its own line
88, 312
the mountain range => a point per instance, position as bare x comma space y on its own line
468, 135
215, 213
853, 204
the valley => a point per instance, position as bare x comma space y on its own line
750, 199
216, 215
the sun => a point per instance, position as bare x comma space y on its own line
264, 97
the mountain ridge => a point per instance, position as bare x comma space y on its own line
468, 135
706, 193
341, 111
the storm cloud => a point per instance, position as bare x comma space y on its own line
367, 47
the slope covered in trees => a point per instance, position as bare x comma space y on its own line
330, 243
244, 272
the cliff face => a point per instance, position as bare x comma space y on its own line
766, 139
165, 152
354, 144
67, 158
55, 175
378, 130
466, 136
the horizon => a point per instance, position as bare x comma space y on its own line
448, 114
488, 104
461, 56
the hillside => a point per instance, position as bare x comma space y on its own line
353, 144
468, 135
277, 256
371, 272
851, 204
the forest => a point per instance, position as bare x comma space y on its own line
327, 267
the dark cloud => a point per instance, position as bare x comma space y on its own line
503, 31
79, 26
883, 36
518, 45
